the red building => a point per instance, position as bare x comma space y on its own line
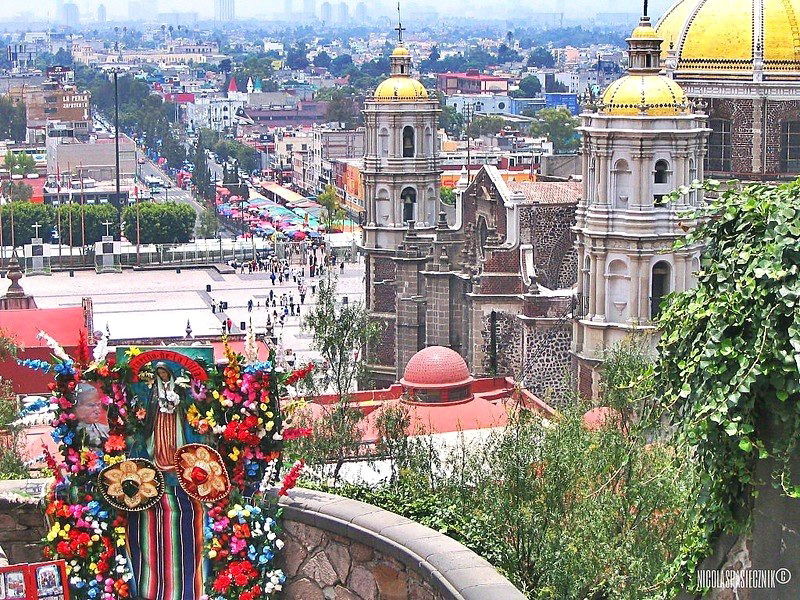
471, 82
440, 396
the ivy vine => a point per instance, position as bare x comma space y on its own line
730, 351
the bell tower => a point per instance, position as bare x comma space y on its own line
641, 141
402, 178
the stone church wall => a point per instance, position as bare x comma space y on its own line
548, 360
509, 344
551, 227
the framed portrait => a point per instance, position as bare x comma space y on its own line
15, 584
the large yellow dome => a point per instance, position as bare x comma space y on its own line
400, 88
722, 39
644, 95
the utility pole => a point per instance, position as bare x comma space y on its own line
116, 144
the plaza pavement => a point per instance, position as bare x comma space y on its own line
150, 304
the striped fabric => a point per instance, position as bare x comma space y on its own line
165, 545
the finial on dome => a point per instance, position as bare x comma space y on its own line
644, 12
399, 29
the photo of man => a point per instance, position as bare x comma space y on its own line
90, 414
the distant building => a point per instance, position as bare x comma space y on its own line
310, 9
176, 19
485, 104
471, 82
342, 14
53, 101
71, 15
102, 15
142, 10
361, 13
326, 12
224, 11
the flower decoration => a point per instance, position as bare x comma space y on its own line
202, 473
134, 484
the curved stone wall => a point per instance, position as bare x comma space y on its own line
342, 549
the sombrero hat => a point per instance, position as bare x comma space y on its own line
132, 485
201, 472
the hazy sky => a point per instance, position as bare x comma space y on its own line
248, 8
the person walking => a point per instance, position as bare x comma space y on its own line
250, 305
229, 323
291, 304
213, 307
302, 295
272, 276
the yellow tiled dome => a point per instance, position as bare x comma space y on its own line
401, 51
647, 95
642, 32
718, 39
401, 88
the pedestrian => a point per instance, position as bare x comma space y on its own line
272, 277
271, 295
250, 305
213, 307
229, 323
291, 304
341, 267
313, 288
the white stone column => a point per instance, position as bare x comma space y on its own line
633, 291
592, 291
600, 287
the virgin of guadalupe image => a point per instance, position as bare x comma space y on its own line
165, 541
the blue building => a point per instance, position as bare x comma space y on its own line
568, 101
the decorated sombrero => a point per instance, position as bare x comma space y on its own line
133, 485
202, 473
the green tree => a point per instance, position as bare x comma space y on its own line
13, 120
297, 57
19, 163
340, 332
323, 59
542, 58
530, 86
25, 215
342, 109
166, 223
447, 195
485, 125
209, 224
201, 176
341, 64
560, 127
94, 215
332, 205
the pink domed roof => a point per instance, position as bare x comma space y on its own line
436, 367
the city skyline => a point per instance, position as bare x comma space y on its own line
118, 9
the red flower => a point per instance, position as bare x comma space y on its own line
296, 433
290, 479
222, 582
115, 443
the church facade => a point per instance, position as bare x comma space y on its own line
492, 277
742, 59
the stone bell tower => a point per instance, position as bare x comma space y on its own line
641, 141
402, 179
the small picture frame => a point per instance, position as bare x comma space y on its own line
37, 581
15, 584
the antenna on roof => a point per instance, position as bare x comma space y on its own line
399, 29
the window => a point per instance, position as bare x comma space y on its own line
660, 287
790, 146
501, 105
662, 172
409, 200
408, 142
719, 146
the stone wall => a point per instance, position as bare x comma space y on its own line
22, 527
548, 361
340, 549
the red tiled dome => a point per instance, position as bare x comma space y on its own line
436, 367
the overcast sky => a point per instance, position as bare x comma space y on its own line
250, 8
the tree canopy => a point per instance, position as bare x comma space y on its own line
559, 126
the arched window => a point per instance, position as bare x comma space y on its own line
617, 297
790, 146
660, 286
409, 200
586, 281
692, 179
662, 172
622, 184
383, 142
720, 146
408, 142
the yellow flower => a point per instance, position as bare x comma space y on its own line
133, 351
215, 395
270, 426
